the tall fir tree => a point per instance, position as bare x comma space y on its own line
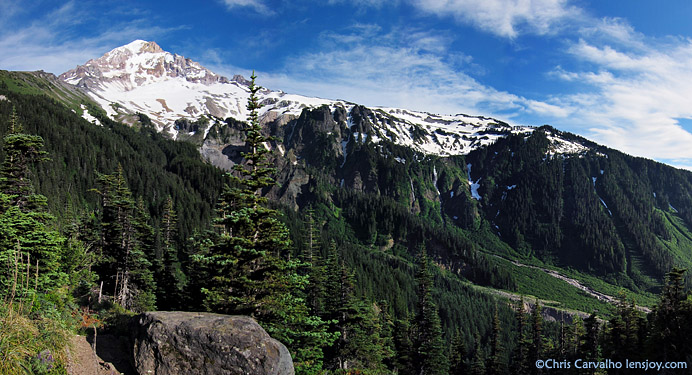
478, 361
248, 276
457, 356
403, 346
362, 343
21, 152
430, 346
496, 364
536, 346
169, 272
25, 237
314, 266
591, 349
671, 334
520, 358
247, 258
125, 245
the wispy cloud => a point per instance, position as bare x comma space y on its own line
8, 9
506, 18
637, 91
51, 42
257, 5
406, 68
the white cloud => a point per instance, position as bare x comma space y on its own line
48, 43
257, 5
403, 68
506, 18
637, 91
365, 3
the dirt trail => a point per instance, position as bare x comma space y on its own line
111, 356
575, 283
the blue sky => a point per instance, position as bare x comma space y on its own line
617, 72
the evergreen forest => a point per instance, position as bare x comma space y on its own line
397, 269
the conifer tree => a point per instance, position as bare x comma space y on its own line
457, 355
520, 358
126, 244
315, 267
247, 258
403, 345
249, 272
361, 344
496, 364
536, 347
590, 349
172, 279
24, 234
21, 151
622, 334
478, 361
430, 347
575, 337
671, 334
139, 263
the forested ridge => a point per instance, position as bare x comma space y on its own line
375, 275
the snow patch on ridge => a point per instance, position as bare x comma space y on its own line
87, 116
474, 185
562, 146
593, 180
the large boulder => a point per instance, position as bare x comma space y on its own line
187, 343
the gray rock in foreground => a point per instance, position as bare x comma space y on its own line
186, 343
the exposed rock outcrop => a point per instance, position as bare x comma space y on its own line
173, 343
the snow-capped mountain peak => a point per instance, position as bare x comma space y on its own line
137, 64
141, 77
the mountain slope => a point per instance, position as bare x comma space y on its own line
541, 193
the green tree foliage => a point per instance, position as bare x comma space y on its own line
21, 152
314, 267
125, 244
25, 237
478, 361
624, 339
169, 272
363, 342
520, 358
671, 334
457, 356
247, 251
536, 348
590, 348
429, 343
496, 364
247, 259
403, 345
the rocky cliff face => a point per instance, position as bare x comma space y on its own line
174, 343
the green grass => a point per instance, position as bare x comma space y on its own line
680, 242
536, 283
23, 338
642, 298
32, 83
